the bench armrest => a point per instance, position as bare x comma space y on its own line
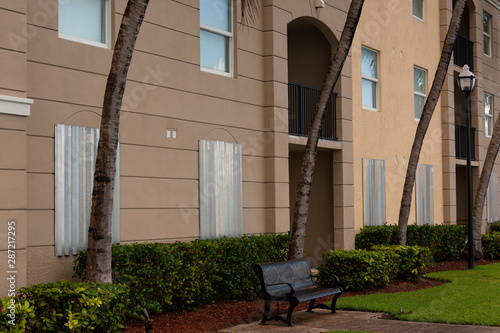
337, 281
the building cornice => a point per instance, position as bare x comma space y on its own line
494, 3
15, 105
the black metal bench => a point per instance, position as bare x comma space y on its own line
292, 281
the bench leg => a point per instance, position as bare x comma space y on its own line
289, 314
267, 309
311, 305
334, 302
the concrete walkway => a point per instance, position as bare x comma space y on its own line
324, 321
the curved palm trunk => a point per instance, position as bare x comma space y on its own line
307, 171
99, 237
425, 119
482, 188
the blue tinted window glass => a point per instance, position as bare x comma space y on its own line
369, 63
216, 13
214, 51
369, 94
83, 19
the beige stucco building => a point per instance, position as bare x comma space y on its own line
214, 120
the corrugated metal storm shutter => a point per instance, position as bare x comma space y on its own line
221, 212
493, 198
425, 194
75, 154
373, 192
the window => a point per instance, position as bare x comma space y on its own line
424, 192
216, 35
487, 34
418, 9
419, 90
492, 198
488, 114
373, 192
369, 72
85, 21
221, 207
75, 154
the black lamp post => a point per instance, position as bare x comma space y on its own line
466, 81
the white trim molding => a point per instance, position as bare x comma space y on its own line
494, 3
15, 105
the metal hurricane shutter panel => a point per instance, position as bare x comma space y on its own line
374, 200
221, 209
75, 154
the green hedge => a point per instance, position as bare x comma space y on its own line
15, 314
376, 235
75, 306
446, 242
178, 275
359, 269
491, 245
495, 227
413, 259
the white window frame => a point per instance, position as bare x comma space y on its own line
487, 34
488, 115
228, 34
107, 33
372, 79
419, 93
423, 11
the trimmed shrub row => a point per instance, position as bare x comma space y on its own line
495, 227
413, 260
364, 269
446, 242
491, 245
358, 269
15, 314
178, 275
69, 306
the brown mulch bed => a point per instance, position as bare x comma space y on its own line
214, 317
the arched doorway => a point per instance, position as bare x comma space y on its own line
310, 48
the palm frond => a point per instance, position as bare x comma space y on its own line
250, 10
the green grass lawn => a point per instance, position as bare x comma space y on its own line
472, 297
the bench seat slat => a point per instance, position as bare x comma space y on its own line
314, 293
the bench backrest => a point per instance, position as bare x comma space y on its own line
275, 276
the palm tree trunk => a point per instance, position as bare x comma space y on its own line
425, 119
307, 171
482, 188
99, 236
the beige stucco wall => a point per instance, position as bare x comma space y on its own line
166, 90
14, 110
402, 42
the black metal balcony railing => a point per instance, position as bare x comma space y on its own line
463, 52
461, 142
301, 105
